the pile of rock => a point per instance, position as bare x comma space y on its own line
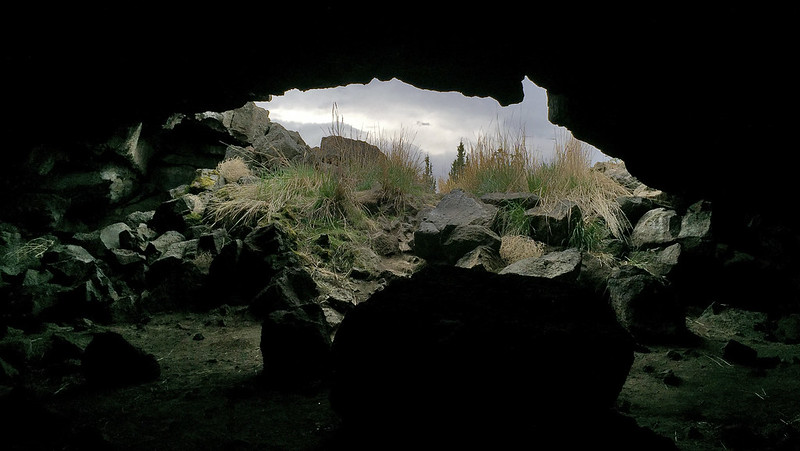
636, 273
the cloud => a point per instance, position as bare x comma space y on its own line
435, 121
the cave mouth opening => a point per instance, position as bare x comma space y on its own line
436, 122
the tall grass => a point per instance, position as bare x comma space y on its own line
503, 162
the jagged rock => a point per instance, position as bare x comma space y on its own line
213, 242
127, 258
554, 224
525, 200
279, 145
457, 224
109, 235
561, 265
111, 361
449, 355
178, 214
136, 218
658, 261
634, 207
295, 347
696, 226
335, 149
465, 238
657, 227
594, 272
482, 257
69, 263
158, 246
646, 305
287, 290
616, 170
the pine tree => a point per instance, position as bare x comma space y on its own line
428, 180
458, 164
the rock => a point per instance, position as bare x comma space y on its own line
657, 227
616, 170
457, 224
696, 227
562, 265
287, 290
213, 242
736, 352
264, 253
658, 261
458, 208
634, 207
295, 346
111, 361
452, 350
136, 218
158, 246
69, 263
247, 123
484, 257
178, 214
594, 272
127, 258
109, 235
336, 149
465, 238
279, 145
646, 306
524, 200
554, 224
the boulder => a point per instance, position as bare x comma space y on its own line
465, 238
111, 361
279, 145
483, 257
695, 232
634, 207
554, 224
459, 358
295, 346
657, 227
458, 224
289, 289
646, 305
110, 235
69, 263
562, 265
337, 149
657, 261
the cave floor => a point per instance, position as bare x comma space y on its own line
207, 396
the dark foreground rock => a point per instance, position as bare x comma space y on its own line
111, 361
455, 357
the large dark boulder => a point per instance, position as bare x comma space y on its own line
462, 357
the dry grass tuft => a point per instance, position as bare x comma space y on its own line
233, 169
518, 247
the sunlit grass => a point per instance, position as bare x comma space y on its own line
503, 162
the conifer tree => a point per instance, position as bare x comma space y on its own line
458, 164
428, 180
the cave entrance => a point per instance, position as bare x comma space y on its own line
435, 121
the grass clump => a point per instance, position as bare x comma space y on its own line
325, 197
503, 162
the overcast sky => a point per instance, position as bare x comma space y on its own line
435, 121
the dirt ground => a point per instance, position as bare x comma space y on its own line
207, 396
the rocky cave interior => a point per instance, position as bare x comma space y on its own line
697, 103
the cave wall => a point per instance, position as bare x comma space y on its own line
693, 99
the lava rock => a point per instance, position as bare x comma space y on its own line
111, 361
